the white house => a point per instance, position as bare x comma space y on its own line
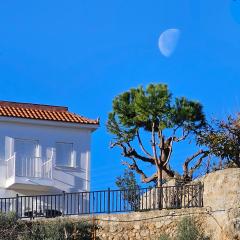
43, 149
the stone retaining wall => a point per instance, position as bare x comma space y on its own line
219, 218
150, 225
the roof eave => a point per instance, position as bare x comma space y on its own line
89, 126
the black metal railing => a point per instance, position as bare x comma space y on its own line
106, 201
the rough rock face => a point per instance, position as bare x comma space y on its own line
222, 197
219, 218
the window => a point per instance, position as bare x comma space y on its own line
27, 160
65, 156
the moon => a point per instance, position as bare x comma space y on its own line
168, 41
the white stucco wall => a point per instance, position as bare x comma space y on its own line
48, 133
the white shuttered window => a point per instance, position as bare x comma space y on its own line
65, 156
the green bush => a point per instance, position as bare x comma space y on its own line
10, 227
187, 230
164, 237
58, 229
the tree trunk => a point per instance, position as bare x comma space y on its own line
159, 189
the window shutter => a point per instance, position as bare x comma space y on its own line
73, 159
64, 154
9, 147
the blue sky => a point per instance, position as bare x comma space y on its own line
83, 53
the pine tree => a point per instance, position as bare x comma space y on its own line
152, 113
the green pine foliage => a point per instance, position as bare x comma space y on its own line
139, 108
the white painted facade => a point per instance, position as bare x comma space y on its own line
30, 161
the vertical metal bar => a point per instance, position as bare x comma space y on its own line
150, 198
112, 200
67, 195
93, 206
21, 207
25, 204
36, 206
199, 195
63, 203
55, 203
17, 205
32, 208
192, 196
109, 198
97, 202
78, 205
181, 196
74, 203
116, 208
185, 196
40, 207
146, 197
120, 200
47, 205
82, 202
178, 199
59, 203
100, 202
51, 204
104, 200
89, 201
71, 205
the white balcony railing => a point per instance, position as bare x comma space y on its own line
33, 167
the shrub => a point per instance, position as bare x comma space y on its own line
164, 237
187, 230
59, 229
10, 227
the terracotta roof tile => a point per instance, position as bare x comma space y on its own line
42, 112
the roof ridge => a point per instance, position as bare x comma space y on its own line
33, 106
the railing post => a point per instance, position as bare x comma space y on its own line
200, 195
17, 197
160, 197
108, 201
63, 203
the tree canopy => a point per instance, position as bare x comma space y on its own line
222, 138
168, 120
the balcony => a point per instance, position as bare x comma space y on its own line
28, 173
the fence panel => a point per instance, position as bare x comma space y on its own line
106, 201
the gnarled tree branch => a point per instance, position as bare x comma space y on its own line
141, 145
135, 167
130, 152
188, 173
